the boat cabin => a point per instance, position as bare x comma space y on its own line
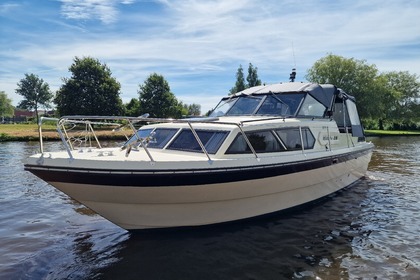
262, 119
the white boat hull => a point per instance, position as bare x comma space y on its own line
132, 207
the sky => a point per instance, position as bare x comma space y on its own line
198, 45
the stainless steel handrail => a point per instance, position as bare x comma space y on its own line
89, 120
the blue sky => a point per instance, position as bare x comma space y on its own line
198, 45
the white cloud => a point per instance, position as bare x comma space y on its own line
8, 7
104, 10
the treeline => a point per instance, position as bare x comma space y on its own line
92, 90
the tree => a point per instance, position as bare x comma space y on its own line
194, 109
252, 77
240, 81
132, 108
405, 91
35, 92
6, 107
157, 100
355, 77
91, 90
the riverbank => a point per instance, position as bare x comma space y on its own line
391, 133
29, 132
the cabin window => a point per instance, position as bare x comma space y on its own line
291, 138
341, 117
293, 100
223, 107
261, 141
274, 106
186, 141
154, 138
311, 108
281, 104
246, 105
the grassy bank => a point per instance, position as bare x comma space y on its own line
29, 132
391, 133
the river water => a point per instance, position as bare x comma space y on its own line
367, 231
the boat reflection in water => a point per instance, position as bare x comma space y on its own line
262, 150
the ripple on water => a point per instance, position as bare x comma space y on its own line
368, 231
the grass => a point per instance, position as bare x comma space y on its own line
391, 133
29, 132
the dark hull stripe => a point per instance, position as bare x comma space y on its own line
178, 177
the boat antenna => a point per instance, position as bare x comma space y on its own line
293, 74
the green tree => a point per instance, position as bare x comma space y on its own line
355, 77
132, 108
36, 93
91, 90
240, 81
157, 100
6, 107
191, 109
194, 109
252, 77
404, 88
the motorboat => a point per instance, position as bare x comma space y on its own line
262, 150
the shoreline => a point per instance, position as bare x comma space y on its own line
29, 132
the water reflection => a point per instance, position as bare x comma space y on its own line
366, 231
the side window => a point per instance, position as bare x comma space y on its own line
160, 137
291, 138
261, 141
312, 108
341, 116
186, 141
308, 138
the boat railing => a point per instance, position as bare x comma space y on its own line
66, 124
118, 123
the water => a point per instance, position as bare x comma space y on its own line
367, 231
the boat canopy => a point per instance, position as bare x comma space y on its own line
323, 93
295, 100
284, 99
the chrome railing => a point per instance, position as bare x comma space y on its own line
119, 122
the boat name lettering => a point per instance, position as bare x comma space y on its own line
332, 137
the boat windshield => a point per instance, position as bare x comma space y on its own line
152, 138
285, 104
